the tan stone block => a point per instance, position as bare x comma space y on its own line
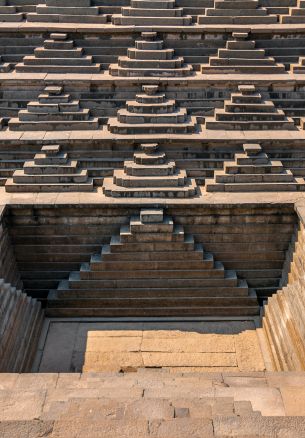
8, 380
35, 381
108, 344
188, 359
109, 361
21, 404
294, 400
200, 343
181, 428
248, 352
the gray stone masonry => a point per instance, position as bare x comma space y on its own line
150, 175
152, 268
253, 171
296, 14
236, 12
53, 111
152, 13
8, 13
152, 113
58, 55
300, 67
240, 56
20, 324
50, 171
246, 110
69, 11
149, 58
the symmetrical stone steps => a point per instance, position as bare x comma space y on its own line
71, 12
240, 56
58, 55
50, 171
248, 111
253, 171
20, 324
128, 288
54, 111
145, 13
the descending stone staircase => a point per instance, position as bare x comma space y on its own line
150, 58
54, 111
150, 174
8, 12
236, 12
296, 14
70, 11
58, 55
51, 171
246, 110
253, 171
241, 56
151, 13
152, 113
21, 319
152, 268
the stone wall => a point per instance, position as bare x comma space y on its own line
283, 321
49, 242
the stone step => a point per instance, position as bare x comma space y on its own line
224, 116
146, 170
41, 52
54, 44
178, 179
30, 168
72, 69
273, 167
127, 236
244, 54
54, 107
175, 62
237, 19
64, 16
117, 246
20, 177
177, 116
62, 10
236, 4
59, 60
156, 4
116, 70
265, 107
222, 177
236, 12
115, 127
11, 18
151, 12
142, 303
66, 291
151, 20
288, 124
157, 311
149, 55
53, 125
61, 116
12, 187
251, 187
163, 107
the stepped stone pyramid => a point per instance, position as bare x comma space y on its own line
149, 58
152, 113
246, 110
152, 269
54, 111
253, 171
152, 13
21, 319
51, 171
296, 14
241, 56
58, 55
300, 67
150, 174
69, 11
236, 12
9, 13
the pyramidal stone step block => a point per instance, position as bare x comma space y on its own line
247, 110
149, 58
152, 13
253, 171
152, 113
58, 55
70, 11
54, 110
236, 12
296, 14
240, 57
9, 13
149, 175
50, 171
192, 283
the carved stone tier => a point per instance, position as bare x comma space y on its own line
9, 13
296, 14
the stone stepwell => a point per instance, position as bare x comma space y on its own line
51, 171
150, 174
53, 111
58, 55
253, 171
240, 56
246, 110
71, 11
152, 113
150, 58
152, 13
152, 269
